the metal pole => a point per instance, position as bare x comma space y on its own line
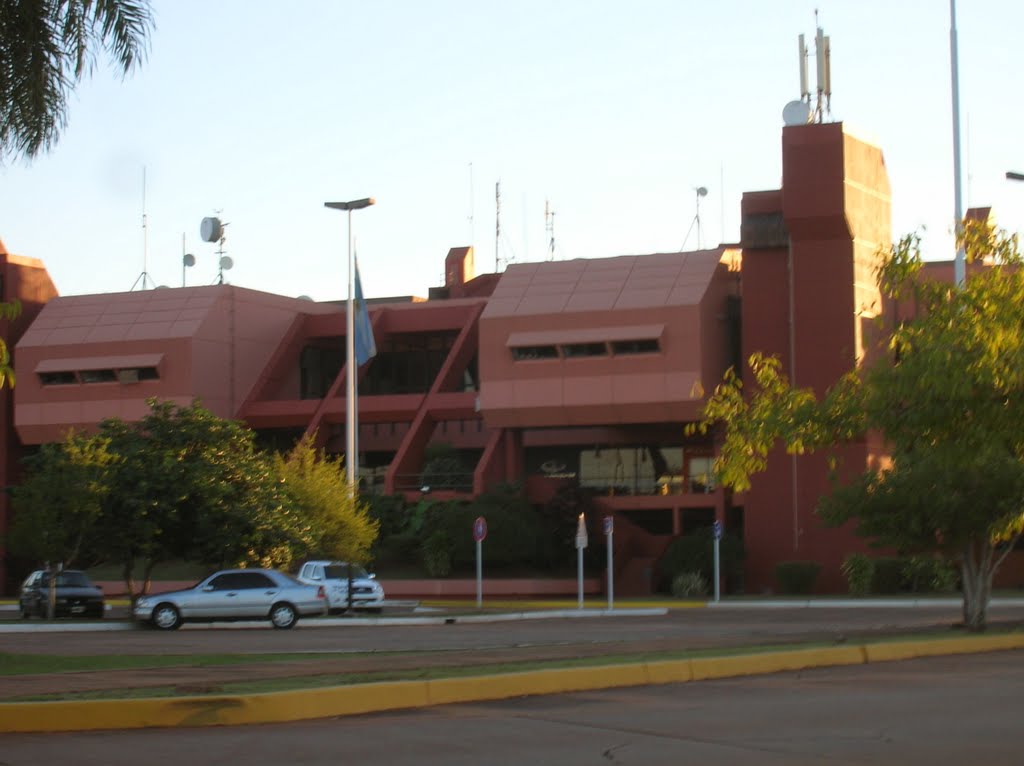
718, 576
611, 573
351, 457
579, 576
479, 574
959, 267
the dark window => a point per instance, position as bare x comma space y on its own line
135, 374
57, 378
649, 346
407, 364
584, 349
98, 376
319, 365
253, 580
526, 353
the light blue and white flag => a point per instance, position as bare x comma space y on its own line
365, 346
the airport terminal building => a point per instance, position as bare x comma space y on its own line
561, 372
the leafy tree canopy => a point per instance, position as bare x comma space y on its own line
945, 390
46, 48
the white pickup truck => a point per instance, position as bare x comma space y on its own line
334, 576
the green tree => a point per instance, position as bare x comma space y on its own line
46, 48
59, 503
189, 484
328, 521
946, 393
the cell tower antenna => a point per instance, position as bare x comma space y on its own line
549, 228
144, 277
497, 226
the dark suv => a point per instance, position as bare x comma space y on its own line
76, 595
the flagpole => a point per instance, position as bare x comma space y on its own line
351, 405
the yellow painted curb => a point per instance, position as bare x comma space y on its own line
357, 699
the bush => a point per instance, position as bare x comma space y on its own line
437, 555
797, 577
926, 574
695, 553
888, 576
688, 585
859, 571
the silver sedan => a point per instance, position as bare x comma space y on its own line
234, 594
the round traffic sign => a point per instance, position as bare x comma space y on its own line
608, 524
479, 529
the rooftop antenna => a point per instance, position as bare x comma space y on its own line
549, 228
472, 234
497, 226
212, 230
144, 276
802, 112
700, 191
187, 259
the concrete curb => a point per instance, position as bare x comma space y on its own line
282, 707
332, 622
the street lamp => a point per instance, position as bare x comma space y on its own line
351, 410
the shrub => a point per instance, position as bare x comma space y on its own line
929, 574
695, 553
859, 571
437, 555
688, 585
797, 577
888, 576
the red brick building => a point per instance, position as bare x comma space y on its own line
582, 371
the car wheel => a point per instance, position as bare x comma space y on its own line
283, 616
166, 617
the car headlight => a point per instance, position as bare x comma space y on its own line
142, 602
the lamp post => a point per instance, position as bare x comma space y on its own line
1011, 176
351, 411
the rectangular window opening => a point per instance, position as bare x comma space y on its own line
57, 378
529, 353
575, 350
624, 347
98, 376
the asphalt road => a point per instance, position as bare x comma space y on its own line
938, 711
689, 628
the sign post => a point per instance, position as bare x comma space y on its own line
581, 543
717, 530
609, 531
479, 533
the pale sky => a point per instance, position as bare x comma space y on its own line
260, 111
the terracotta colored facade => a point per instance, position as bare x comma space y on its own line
558, 373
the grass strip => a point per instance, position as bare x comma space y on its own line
31, 664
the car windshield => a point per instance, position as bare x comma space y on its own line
340, 571
69, 580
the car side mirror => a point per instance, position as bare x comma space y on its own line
207, 588
372, 576
315, 576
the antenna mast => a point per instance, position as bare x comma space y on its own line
472, 234
823, 64
144, 276
497, 226
549, 228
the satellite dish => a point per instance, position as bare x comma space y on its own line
188, 259
702, 191
305, 298
796, 113
161, 287
211, 229
226, 263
